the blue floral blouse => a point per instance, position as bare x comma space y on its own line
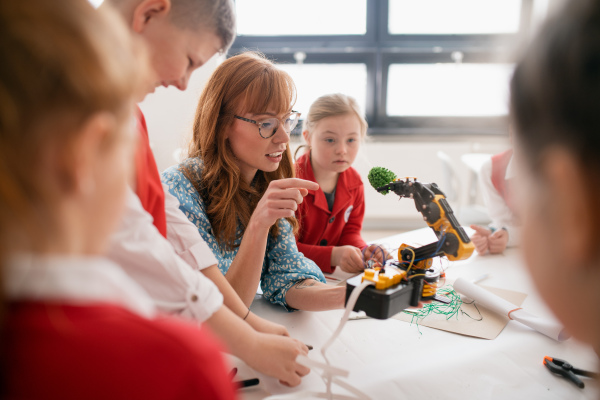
283, 265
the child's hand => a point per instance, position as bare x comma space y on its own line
378, 252
276, 356
348, 258
481, 238
497, 241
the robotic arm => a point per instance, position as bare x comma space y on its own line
395, 289
437, 213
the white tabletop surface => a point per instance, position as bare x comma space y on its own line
391, 359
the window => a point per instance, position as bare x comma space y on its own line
445, 17
287, 17
314, 80
448, 90
416, 66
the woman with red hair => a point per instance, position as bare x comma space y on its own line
237, 185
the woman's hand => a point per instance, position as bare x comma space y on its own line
281, 200
348, 258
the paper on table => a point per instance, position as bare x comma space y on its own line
506, 308
467, 321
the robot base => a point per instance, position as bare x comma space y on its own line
382, 304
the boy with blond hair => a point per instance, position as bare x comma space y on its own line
156, 244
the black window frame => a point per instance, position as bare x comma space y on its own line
378, 49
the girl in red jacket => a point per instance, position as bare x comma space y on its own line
331, 217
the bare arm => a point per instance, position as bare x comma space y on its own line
237, 306
244, 273
311, 295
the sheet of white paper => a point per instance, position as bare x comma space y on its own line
466, 322
497, 304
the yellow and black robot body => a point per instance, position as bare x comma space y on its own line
404, 282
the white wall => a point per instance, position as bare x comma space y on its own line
169, 114
417, 158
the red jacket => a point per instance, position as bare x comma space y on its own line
147, 179
321, 229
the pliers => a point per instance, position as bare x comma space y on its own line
561, 367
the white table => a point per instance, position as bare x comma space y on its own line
390, 359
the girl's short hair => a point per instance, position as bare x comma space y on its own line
245, 83
331, 105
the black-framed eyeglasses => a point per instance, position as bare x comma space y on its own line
268, 127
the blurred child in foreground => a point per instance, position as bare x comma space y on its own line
555, 102
75, 325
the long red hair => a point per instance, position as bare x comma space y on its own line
247, 82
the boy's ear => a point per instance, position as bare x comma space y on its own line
575, 206
86, 151
148, 9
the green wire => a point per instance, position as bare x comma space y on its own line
449, 310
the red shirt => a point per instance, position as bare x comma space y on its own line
321, 229
103, 351
147, 179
